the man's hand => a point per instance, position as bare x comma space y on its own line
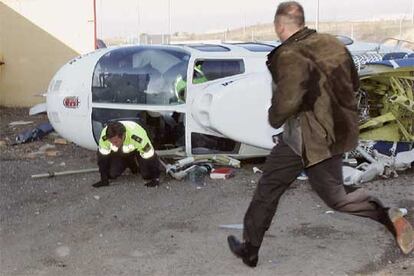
101, 183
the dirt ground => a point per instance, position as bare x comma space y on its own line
63, 226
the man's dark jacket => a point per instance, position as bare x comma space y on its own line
314, 79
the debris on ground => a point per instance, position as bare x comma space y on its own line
231, 226
197, 175
20, 123
302, 176
182, 167
257, 170
382, 159
47, 149
33, 134
60, 141
222, 173
52, 174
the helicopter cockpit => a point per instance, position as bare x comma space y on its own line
140, 75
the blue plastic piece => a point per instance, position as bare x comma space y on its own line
395, 55
34, 134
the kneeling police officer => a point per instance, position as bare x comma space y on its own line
125, 144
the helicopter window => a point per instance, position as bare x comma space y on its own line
212, 69
140, 75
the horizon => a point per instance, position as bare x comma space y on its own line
130, 17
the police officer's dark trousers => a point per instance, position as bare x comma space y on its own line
281, 168
114, 164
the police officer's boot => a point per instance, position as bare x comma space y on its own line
245, 251
153, 182
101, 183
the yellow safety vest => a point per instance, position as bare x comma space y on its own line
136, 138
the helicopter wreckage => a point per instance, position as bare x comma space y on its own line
192, 98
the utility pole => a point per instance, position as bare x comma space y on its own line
100, 23
317, 16
169, 21
401, 22
352, 30
138, 23
95, 40
244, 25
412, 13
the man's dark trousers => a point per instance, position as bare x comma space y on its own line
115, 164
281, 168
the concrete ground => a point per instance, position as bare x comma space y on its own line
63, 226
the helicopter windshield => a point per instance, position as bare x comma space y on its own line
141, 75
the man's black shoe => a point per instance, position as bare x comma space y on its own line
248, 253
101, 183
153, 183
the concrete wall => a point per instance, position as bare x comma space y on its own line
34, 45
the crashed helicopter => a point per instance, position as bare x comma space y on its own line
209, 99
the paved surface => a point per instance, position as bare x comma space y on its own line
63, 226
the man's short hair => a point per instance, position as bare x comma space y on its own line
115, 129
292, 12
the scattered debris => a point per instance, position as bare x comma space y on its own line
226, 160
349, 160
62, 251
182, 167
232, 226
47, 149
222, 173
60, 141
96, 197
34, 134
403, 211
257, 170
52, 153
330, 212
20, 123
380, 164
197, 174
52, 174
302, 176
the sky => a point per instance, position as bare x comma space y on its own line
128, 17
